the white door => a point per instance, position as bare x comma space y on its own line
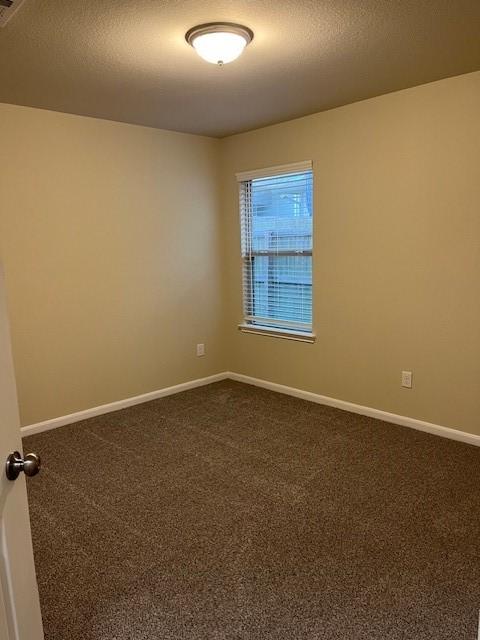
20, 617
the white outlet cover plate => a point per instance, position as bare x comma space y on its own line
407, 379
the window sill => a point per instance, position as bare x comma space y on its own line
286, 334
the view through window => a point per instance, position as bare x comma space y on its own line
276, 219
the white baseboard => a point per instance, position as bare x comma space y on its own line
413, 423
46, 425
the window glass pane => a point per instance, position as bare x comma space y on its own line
276, 216
282, 212
282, 288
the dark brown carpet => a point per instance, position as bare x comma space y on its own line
231, 512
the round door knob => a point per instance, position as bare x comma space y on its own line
30, 465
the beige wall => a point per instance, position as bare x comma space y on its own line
119, 259
396, 255
110, 239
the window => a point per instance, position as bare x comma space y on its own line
276, 225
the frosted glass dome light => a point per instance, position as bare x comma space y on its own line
219, 42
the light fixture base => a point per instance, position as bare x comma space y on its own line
219, 27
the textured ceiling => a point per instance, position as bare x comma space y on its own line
127, 60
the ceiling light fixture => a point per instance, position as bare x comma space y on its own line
219, 42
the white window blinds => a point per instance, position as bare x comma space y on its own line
276, 226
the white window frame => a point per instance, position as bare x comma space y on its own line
247, 326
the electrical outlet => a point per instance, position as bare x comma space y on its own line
407, 379
200, 349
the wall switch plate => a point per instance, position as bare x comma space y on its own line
407, 379
200, 349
